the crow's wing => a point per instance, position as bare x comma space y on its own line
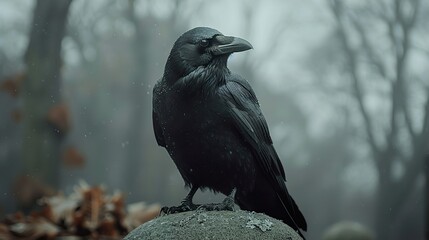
244, 111
247, 118
158, 130
155, 119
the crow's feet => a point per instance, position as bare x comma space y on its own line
226, 205
184, 207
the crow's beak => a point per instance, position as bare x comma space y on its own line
228, 45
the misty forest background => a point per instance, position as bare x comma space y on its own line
343, 85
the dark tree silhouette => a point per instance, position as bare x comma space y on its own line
386, 146
139, 99
427, 198
41, 90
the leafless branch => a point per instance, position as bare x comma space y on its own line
407, 24
369, 50
401, 45
337, 10
424, 134
410, 22
416, 162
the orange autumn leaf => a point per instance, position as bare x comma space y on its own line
118, 206
92, 207
108, 228
12, 84
59, 117
73, 158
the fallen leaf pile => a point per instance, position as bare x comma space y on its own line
88, 212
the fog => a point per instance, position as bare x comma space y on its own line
343, 86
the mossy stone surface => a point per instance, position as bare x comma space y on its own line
214, 225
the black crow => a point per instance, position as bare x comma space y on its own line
210, 122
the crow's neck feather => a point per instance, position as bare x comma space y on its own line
203, 80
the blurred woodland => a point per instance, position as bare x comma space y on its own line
343, 85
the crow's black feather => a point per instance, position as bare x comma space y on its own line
211, 124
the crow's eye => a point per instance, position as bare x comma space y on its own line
204, 43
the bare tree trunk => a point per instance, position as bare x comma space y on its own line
140, 103
383, 211
426, 198
41, 90
146, 174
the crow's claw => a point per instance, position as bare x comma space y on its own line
184, 207
226, 205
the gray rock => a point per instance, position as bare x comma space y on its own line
214, 225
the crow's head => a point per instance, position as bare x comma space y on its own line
202, 46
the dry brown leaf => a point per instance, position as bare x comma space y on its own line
73, 158
89, 212
59, 208
59, 117
43, 229
34, 228
108, 227
12, 84
118, 208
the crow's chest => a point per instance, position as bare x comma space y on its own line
188, 118
204, 145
